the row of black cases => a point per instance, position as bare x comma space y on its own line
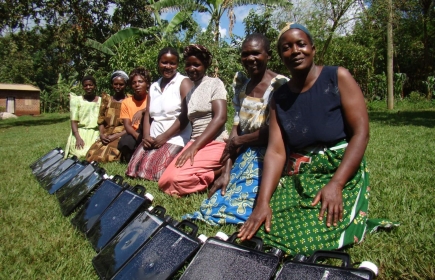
135, 243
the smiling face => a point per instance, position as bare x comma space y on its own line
168, 64
296, 50
88, 87
139, 86
194, 68
254, 57
118, 85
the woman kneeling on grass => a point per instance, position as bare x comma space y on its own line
162, 137
232, 196
320, 118
195, 168
132, 109
110, 124
84, 115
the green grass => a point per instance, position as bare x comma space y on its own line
39, 243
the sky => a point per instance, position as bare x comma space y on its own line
203, 20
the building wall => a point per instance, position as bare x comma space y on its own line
26, 102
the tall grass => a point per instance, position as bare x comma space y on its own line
39, 243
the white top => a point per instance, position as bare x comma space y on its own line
165, 107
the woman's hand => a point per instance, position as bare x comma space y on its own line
332, 203
189, 153
160, 140
261, 214
105, 139
137, 117
230, 149
220, 183
148, 142
79, 143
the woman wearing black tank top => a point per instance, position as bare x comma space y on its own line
318, 134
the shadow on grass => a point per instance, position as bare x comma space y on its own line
401, 118
33, 121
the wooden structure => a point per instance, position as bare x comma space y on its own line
20, 99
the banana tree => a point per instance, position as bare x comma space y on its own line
159, 33
215, 8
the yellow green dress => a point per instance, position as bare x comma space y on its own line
86, 114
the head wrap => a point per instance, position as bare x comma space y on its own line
119, 73
292, 25
201, 52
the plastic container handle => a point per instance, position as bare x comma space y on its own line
139, 189
188, 224
101, 171
159, 211
256, 240
117, 179
330, 255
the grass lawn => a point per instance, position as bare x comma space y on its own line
37, 242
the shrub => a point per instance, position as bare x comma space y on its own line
415, 96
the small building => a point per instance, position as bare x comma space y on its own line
20, 99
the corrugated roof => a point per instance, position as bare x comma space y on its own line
18, 87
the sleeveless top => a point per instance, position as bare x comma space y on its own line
252, 113
165, 107
313, 117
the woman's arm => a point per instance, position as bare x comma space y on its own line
101, 117
104, 138
274, 161
227, 158
231, 151
115, 136
75, 131
137, 117
148, 141
256, 138
357, 125
129, 128
219, 113
182, 121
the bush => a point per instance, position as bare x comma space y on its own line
415, 96
2, 109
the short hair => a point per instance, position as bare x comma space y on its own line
260, 37
201, 52
169, 50
89, 78
140, 71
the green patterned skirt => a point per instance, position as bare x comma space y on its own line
295, 224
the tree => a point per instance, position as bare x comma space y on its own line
326, 20
338, 13
129, 13
215, 8
427, 8
390, 48
160, 33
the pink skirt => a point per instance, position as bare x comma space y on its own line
193, 178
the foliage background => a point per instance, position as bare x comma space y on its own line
44, 43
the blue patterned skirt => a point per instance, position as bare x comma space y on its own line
236, 205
